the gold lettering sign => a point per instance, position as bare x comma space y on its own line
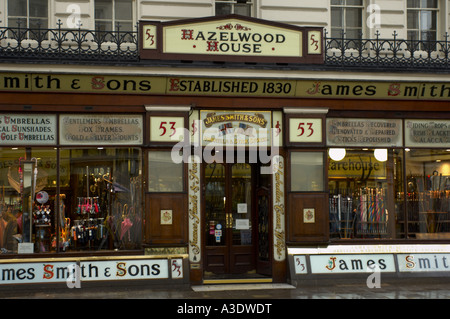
311, 89
194, 211
257, 119
279, 235
239, 128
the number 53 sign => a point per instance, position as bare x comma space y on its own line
305, 130
166, 129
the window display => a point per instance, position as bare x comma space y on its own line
95, 205
363, 184
20, 221
102, 208
428, 193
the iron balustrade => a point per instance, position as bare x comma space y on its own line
62, 44
392, 53
81, 45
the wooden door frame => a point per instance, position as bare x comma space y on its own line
229, 260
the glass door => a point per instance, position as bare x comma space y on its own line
229, 218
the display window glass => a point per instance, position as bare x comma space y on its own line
91, 199
307, 172
164, 175
100, 199
26, 171
363, 186
428, 193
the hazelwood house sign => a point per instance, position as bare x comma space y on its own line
230, 38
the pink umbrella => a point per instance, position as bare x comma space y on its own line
126, 225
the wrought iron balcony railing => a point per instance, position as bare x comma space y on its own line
68, 44
80, 45
393, 53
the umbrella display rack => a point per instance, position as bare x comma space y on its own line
359, 215
342, 218
372, 215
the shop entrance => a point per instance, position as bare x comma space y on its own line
237, 221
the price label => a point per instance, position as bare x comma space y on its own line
166, 129
305, 130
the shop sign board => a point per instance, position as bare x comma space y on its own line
166, 129
236, 128
24, 129
361, 263
423, 262
94, 129
341, 259
223, 86
364, 132
300, 265
230, 38
427, 133
94, 270
305, 130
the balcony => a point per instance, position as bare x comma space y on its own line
118, 47
391, 54
67, 45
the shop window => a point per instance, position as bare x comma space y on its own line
307, 172
428, 193
422, 22
363, 185
164, 175
347, 19
113, 15
20, 221
101, 199
241, 7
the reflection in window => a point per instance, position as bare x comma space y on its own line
347, 17
100, 201
31, 14
164, 174
362, 187
241, 7
307, 172
422, 22
111, 14
43, 208
428, 193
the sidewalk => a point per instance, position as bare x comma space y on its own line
404, 288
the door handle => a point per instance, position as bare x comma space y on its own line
229, 220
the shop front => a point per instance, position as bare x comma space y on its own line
183, 175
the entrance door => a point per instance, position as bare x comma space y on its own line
231, 218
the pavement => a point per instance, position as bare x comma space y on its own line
386, 288
316, 298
